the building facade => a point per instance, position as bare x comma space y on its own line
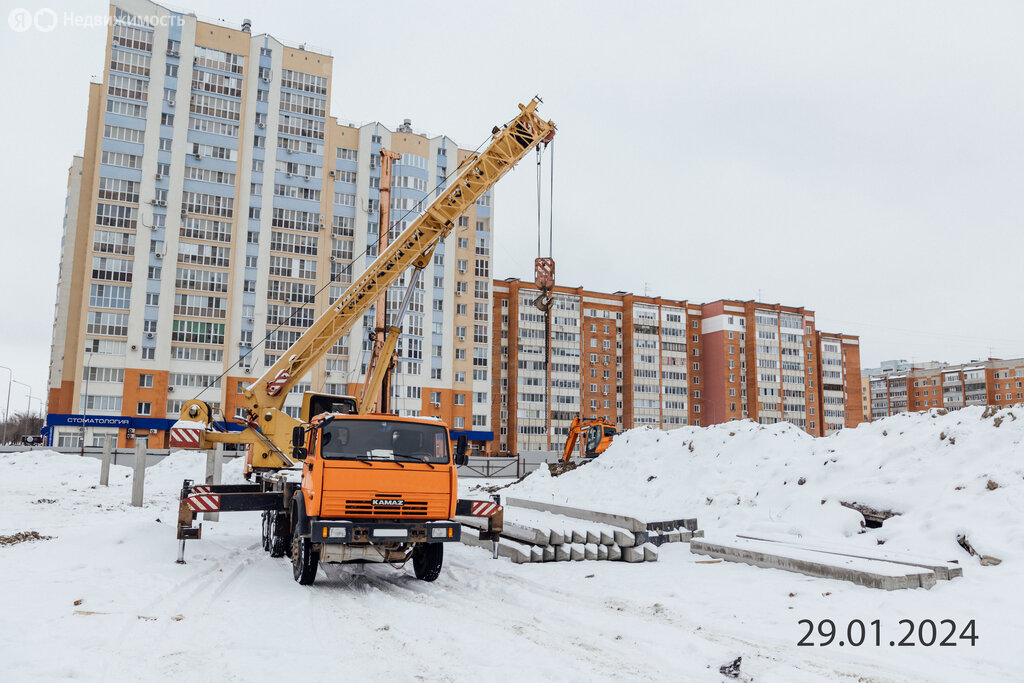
218, 209
993, 382
637, 361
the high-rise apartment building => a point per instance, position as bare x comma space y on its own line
217, 210
638, 360
993, 382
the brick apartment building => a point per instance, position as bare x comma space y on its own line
667, 363
992, 382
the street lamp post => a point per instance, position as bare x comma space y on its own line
7, 410
28, 413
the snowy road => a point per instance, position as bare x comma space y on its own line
234, 613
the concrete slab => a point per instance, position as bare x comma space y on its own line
602, 552
590, 551
536, 554
556, 537
621, 521
870, 573
614, 553
674, 537
606, 538
650, 553
576, 553
593, 537
579, 536
944, 570
525, 534
562, 553
624, 539
633, 554
549, 553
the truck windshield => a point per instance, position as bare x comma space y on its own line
345, 439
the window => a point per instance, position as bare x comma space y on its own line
144, 408
146, 382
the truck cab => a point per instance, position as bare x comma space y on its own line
374, 488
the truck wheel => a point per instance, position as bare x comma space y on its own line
427, 559
305, 559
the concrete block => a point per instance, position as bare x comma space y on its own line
593, 537
633, 554
515, 552
556, 537
621, 521
590, 551
870, 573
650, 553
602, 552
943, 570
674, 537
562, 553
614, 553
579, 536
576, 552
673, 524
607, 538
549, 553
525, 534
624, 539
536, 554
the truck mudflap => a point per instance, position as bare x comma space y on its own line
369, 531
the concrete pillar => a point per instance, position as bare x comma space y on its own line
139, 475
108, 448
214, 465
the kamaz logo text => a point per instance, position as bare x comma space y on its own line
388, 502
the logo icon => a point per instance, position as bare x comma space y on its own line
20, 19
46, 20
388, 502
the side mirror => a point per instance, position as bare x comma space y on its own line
298, 437
460, 450
299, 453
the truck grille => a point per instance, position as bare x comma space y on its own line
367, 508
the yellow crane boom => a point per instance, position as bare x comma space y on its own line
265, 397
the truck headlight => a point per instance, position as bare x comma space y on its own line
337, 532
440, 532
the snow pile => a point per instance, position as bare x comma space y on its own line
947, 474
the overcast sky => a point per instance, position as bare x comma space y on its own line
862, 159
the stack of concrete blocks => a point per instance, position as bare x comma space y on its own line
865, 566
566, 534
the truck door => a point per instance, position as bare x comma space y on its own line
312, 474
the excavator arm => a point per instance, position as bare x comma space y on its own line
265, 396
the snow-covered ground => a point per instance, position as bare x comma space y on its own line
234, 613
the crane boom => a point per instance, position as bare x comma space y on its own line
414, 247
479, 174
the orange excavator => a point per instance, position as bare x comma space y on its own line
597, 435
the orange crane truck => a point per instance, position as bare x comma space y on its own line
341, 484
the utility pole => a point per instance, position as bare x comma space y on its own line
28, 413
85, 403
7, 410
